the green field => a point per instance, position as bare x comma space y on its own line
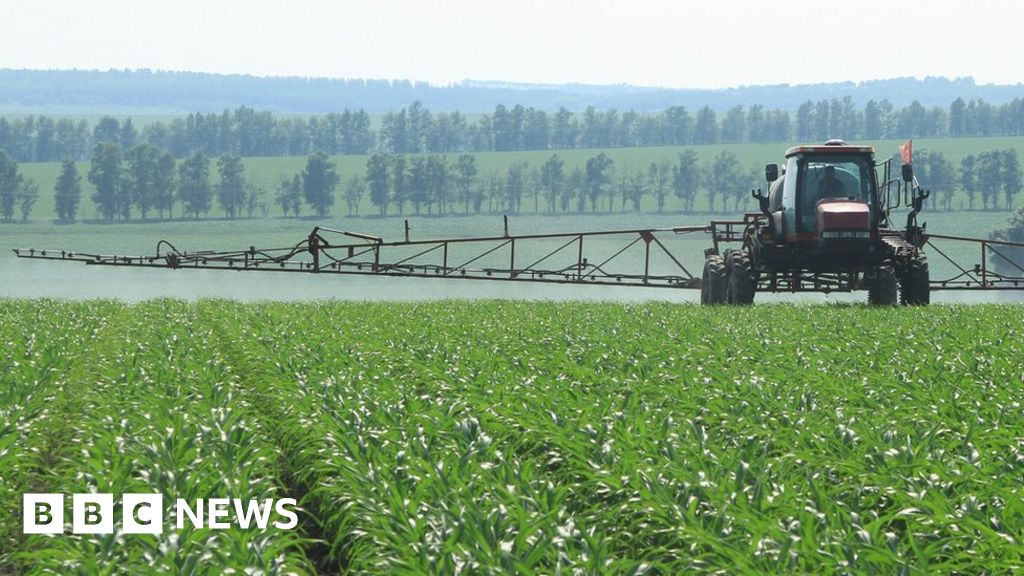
515, 437
268, 172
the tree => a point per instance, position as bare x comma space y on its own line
967, 180
465, 178
706, 131
9, 180
361, 138
254, 199
686, 179
941, 179
576, 189
163, 184
533, 187
634, 189
419, 192
911, 120
757, 124
437, 182
845, 120
194, 185
599, 177
128, 134
957, 120
779, 126
503, 127
377, 181
138, 183
107, 130
658, 178
289, 195
734, 126
564, 130
105, 176
723, 177
805, 122
552, 179
319, 180
67, 192
231, 191
822, 110
28, 193
747, 180
1011, 176
873, 125
515, 186
536, 130
400, 193
355, 189
479, 192
677, 126
989, 178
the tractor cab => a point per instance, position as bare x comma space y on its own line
826, 198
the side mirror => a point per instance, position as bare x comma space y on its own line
908, 173
771, 172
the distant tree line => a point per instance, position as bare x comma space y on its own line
146, 182
432, 184
201, 92
990, 180
246, 132
149, 183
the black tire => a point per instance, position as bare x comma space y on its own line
884, 289
914, 289
742, 282
713, 286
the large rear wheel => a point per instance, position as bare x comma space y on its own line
883, 290
914, 289
742, 283
713, 285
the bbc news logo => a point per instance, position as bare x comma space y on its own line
144, 513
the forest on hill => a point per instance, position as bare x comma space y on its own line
43, 91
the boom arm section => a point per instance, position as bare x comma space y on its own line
651, 257
615, 257
1000, 265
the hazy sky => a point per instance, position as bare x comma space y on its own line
710, 43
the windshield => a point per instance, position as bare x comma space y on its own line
841, 177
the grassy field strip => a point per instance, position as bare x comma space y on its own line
159, 415
42, 343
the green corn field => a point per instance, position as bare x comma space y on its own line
523, 437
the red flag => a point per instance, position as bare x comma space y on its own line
907, 152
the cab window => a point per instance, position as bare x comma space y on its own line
823, 177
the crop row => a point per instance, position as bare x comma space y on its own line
153, 408
39, 344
